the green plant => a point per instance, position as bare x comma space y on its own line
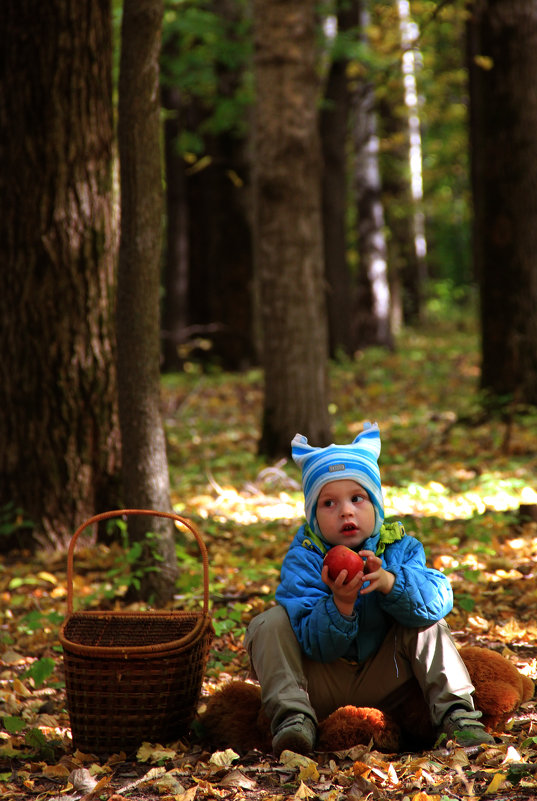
129, 568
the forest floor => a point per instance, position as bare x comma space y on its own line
455, 477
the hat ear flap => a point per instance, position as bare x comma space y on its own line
300, 450
369, 439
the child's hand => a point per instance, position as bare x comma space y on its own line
380, 580
345, 595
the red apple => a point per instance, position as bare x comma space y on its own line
341, 558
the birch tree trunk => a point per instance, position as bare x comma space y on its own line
371, 319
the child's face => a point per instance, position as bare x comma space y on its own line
344, 513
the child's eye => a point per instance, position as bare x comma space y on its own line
328, 503
358, 498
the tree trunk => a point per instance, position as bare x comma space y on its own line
145, 467
503, 68
288, 233
334, 129
175, 279
221, 261
59, 434
371, 320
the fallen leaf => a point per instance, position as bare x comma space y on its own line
304, 791
189, 795
497, 782
309, 771
46, 576
512, 755
82, 780
224, 758
148, 752
169, 784
236, 778
55, 771
20, 689
392, 775
292, 760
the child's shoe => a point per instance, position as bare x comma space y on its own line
295, 733
464, 727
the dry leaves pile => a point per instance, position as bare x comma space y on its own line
457, 485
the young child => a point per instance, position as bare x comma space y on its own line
328, 643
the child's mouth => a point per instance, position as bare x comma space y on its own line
349, 529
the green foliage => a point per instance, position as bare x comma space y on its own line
36, 620
12, 519
41, 670
205, 57
13, 724
131, 562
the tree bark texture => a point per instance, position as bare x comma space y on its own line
503, 65
145, 466
288, 235
334, 130
59, 434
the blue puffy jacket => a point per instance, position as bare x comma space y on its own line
420, 596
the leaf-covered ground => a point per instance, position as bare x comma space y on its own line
455, 478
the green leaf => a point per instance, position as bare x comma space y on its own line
14, 724
41, 670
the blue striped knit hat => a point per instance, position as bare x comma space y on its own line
357, 462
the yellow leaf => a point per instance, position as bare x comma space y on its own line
497, 782
303, 791
224, 758
154, 753
309, 771
20, 689
189, 795
485, 62
292, 760
47, 577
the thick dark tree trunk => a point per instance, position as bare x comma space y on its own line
288, 231
221, 260
59, 434
209, 264
145, 467
503, 68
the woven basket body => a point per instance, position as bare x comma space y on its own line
133, 677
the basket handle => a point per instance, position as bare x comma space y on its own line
147, 513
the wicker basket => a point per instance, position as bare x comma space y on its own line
133, 676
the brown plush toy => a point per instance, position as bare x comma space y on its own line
499, 687
234, 718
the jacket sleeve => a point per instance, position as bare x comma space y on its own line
420, 595
322, 631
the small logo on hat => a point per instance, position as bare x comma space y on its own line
334, 468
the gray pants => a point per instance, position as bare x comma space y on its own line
291, 682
